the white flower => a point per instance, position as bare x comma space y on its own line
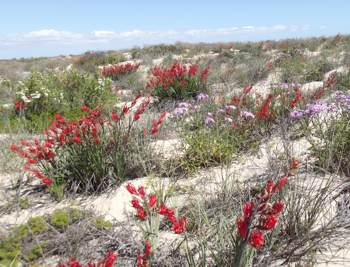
25, 99
35, 95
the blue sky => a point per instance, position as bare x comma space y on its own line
48, 28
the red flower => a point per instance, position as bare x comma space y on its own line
141, 191
31, 161
294, 164
152, 201
131, 188
47, 181
263, 113
19, 105
85, 108
136, 204
109, 260
136, 116
77, 139
247, 89
242, 226
115, 116
280, 184
141, 214
269, 186
125, 109
179, 226
147, 251
277, 207
13, 148
248, 209
256, 238
268, 222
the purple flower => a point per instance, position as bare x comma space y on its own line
178, 112
296, 114
184, 105
181, 109
228, 120
247, 114
202, 96
209, 120
315, 108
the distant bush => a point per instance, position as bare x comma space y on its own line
91, 60
118, 70
178, 81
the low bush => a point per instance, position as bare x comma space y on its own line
42, 235
89, 154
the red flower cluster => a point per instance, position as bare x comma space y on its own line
298, 97
157, 122
149, 204
318, 94
266, 111
142, 261
177, 76
108, 261
260, 215
118, 69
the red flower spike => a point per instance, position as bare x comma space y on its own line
147, 251
280, 184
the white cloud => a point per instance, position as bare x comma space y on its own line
53, 36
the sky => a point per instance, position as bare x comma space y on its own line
32, 28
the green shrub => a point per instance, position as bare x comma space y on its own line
91, 60
101, 223
42, 94
333, 155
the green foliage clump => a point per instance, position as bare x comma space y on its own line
333, 155
35, 253
101, 223
60, 219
